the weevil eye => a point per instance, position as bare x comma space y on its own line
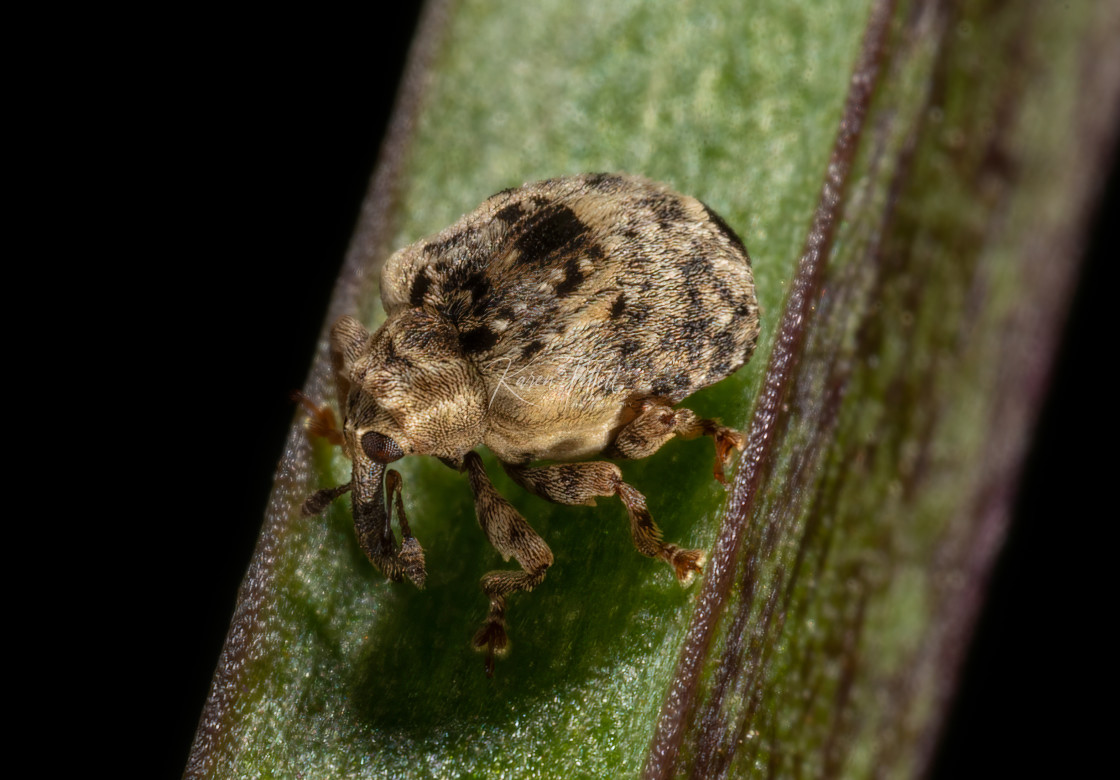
380, 448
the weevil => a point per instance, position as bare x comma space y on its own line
559, 321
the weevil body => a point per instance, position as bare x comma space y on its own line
559, 321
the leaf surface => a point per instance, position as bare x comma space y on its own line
855, 562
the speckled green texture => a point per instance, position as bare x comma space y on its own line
355, 677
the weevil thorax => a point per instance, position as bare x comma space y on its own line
411, 383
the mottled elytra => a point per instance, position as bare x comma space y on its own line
560, 321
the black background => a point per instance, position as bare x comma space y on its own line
261, 144
264, 140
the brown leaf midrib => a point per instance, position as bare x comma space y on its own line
680, 701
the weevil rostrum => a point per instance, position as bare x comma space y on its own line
560, 321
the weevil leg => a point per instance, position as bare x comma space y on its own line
581, 483
321, 499
411, 555
513, 537
657, 422
371, 520
373, 526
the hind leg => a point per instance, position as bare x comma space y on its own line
582, 483
512, 536
657, 422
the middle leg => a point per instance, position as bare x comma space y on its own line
513, 537
581, 483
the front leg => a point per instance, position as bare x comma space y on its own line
581, 483
373, 521
373, 524
657, 422
513, 537
411, 555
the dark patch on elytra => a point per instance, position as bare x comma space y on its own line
697, 267
696, 330
618, 306
532, 348
478, 285
629, 346
639, 314
604, 182
696, 303
666, 209
725, 344
682, 384
573, 278
690, 336
723, 292
724, 228
445, 247
478, 339
420, 287
552, 230
511, 213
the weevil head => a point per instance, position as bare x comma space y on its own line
407, 388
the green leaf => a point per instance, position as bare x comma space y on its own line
894, 422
